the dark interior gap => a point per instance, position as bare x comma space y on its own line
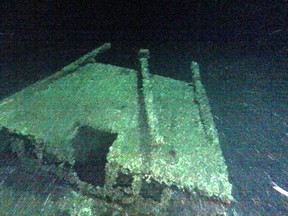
91, 148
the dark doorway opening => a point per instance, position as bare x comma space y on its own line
91, 148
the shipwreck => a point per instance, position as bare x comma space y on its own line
123, 136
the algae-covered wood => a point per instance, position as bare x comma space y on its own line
97, 95
185, 157
181, 147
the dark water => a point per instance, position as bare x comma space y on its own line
247, 87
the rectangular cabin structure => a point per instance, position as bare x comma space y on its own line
120, 134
